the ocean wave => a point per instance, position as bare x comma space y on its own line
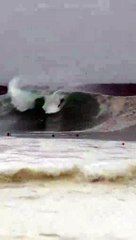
121, 175
35, 159
23, 99
64, 110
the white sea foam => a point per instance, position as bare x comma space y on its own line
87, 160
52, 102
23, 99
64, 209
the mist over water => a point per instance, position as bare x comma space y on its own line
69, 42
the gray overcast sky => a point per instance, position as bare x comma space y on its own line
71, 40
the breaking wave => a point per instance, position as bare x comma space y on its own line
81, 109
121, 175
78, 160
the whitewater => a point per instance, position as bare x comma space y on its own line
67, 189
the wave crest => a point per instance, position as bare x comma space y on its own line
121, 175
23, 99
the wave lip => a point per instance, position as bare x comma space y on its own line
21, 99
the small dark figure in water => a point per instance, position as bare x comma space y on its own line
8, 134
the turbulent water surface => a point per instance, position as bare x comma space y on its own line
86, 182
85, 108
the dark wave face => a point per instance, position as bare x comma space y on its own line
3, 90
112, 89
99, 108
108, 89
78, 113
